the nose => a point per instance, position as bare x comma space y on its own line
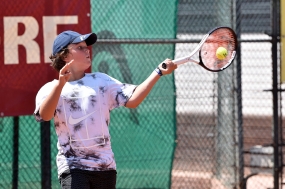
86, 49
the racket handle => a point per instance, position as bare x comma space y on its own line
182, 60
179, 61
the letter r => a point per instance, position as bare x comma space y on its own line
12, 40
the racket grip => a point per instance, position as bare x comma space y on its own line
181, 60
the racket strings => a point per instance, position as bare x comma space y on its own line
214, 59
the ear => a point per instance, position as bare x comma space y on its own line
66, 58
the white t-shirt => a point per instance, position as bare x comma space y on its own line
82, 118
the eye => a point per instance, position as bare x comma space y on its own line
82, 48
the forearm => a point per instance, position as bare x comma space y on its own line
48, 106
142, 90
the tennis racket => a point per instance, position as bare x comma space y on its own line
215, 52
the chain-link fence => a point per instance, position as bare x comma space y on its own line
196, 129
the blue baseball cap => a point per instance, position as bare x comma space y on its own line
68, 37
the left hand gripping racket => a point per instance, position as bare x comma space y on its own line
207, 55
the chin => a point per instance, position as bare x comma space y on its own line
89, 61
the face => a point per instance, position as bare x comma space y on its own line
80, 54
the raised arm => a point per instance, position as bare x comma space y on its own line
145, 87
48, 106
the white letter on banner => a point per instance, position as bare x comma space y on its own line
12, 40
50, 31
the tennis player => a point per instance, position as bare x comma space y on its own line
80, 104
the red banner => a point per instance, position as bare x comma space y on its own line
28, 29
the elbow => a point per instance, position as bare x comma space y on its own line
46, 118
130, 104
133, 107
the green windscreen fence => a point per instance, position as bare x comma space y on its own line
20, 157
143, 139
6, 155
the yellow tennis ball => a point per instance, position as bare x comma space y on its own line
221, 53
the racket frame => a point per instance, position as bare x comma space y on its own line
188, 58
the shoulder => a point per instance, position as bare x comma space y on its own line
48, 85
98, 75
46, 89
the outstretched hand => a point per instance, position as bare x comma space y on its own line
64, 73
167, 67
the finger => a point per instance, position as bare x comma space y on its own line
175, 66
70, 61
64, 69
68, 64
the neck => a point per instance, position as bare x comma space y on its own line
75, 77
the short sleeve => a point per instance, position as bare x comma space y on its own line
119, 93
41, 95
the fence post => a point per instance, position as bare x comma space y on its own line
45, 155
239, 97
275, 94
15, 152
225, 129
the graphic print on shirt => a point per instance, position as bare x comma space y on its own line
81, 112
74, 121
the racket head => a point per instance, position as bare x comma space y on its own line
218, 37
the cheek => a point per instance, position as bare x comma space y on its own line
80, 55
75, 56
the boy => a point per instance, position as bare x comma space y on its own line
80, 104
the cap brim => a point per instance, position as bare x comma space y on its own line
89, 39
